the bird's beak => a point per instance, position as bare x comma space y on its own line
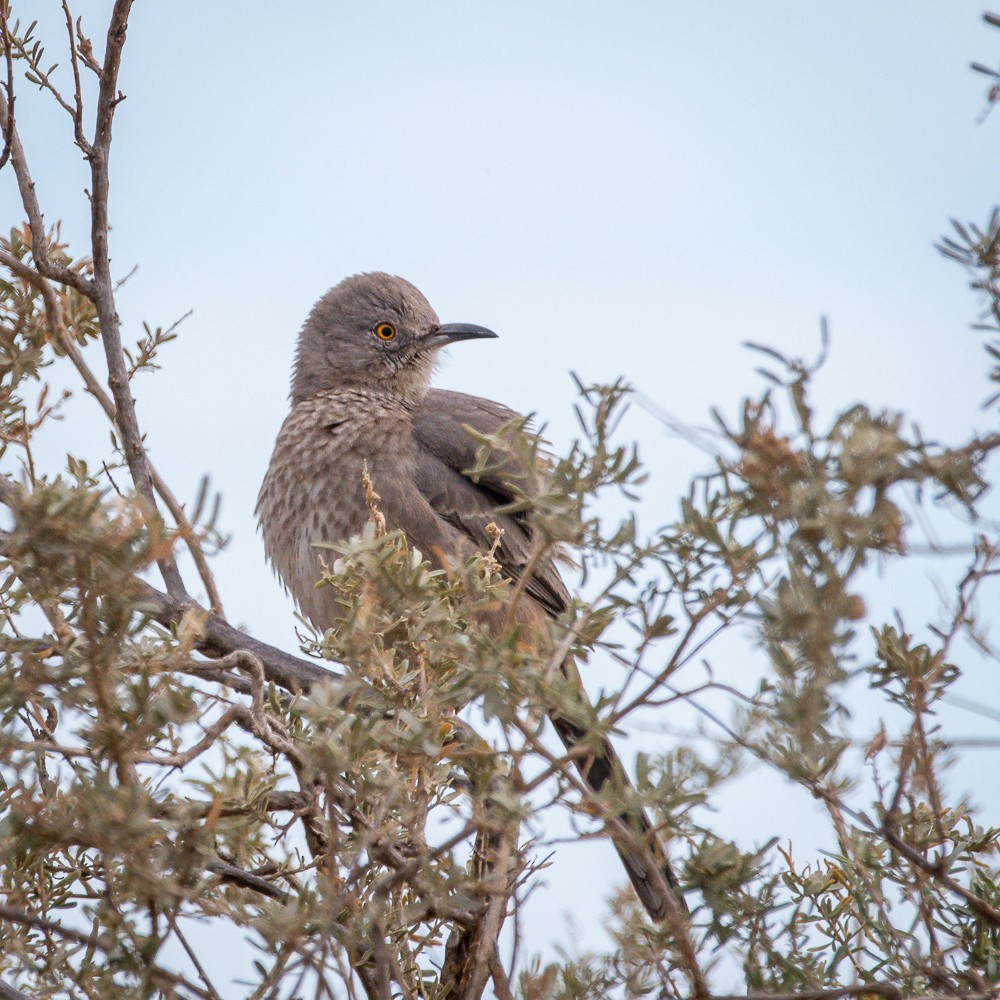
451, 333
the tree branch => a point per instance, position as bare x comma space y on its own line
216, 636
7, 117
26, 186
105, 945
887, 990
55, 317
76, 111
219, 638
472, 946
9, 993
103, 292
937, 872
230, 873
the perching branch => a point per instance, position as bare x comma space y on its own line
216, 636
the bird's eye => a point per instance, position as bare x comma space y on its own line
385, 331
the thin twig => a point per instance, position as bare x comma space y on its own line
276, 801
76, 112
193, 957
26, 186
238, 876
7, 117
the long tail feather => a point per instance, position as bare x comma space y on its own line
598, 770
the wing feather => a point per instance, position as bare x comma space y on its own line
445, 452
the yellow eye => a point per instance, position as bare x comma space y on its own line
385, 331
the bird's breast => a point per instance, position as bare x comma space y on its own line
314, 489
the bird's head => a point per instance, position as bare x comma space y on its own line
374, 332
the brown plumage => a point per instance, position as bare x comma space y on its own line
361, 396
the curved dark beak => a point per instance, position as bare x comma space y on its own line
451, 333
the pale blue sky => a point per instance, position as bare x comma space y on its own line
617, 189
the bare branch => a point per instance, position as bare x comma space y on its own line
501, 984
7, 116
76, 111
9, 993
886, 990
230, 873
220, 638
276, 801
86, 49
103, 285
36, 223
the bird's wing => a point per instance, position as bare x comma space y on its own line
445, 452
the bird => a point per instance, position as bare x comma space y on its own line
362, 405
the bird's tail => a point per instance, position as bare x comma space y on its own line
597, 770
